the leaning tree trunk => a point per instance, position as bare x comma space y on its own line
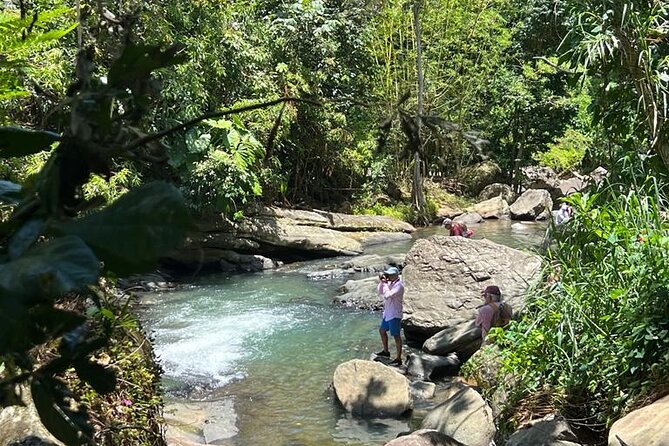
417, 192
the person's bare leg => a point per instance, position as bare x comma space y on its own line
398, 344
384, 339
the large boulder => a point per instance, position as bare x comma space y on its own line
539, 177
444, 277
369, 388
533, 204
646, 426
469, 218
424, 437
498, 190
283, 234
360, 294
463, 339
549, 431
478, 176
465, 417
495, 207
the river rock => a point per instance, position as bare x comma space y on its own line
283, 234
478, 176
495, 207
231, 261
425, 366
469, 218
21, 425
369, 388
539, 177
549, 431
360, 294
646, 426
367, 238
422, 390
533, 204
444, 277
498, 190
373, 262
424, 437
463, 339
278, 235
199, 422
465, 417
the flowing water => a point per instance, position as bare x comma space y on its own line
268, 344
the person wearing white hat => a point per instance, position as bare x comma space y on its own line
392, 289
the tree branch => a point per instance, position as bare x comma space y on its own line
211, 115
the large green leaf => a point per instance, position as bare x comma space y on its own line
50, 270
51, 398
132, 233
138, 61
17, 141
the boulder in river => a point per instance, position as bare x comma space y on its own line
369, 388
444, 277
533, 204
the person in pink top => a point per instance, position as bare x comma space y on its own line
494, 312
392, 289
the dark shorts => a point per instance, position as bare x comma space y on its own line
393, 326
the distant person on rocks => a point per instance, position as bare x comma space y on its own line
494, 312
457, 228
392, 289
563, 214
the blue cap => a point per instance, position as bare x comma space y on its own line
392, 271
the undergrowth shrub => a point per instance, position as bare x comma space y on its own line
595, 339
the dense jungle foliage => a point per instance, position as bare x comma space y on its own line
347, 104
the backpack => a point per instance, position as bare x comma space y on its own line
503, 314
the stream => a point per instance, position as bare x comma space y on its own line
257, 352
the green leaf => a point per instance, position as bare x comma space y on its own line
10, 193
101, 379
50, 270
16, 141
138, 61
132, 233
51, 398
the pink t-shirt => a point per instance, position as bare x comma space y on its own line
393, 295
484, 319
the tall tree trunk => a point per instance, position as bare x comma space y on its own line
417, 193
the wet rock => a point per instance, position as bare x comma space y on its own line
426, 366
469, 218
360, 294
369, 388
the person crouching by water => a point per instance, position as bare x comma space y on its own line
493, 312
392, 289
457, 228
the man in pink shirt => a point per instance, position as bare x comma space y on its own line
392, 289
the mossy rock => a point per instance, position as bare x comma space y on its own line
476, 177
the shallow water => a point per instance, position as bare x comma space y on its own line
271, 342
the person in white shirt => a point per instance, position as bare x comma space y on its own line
563, 214
392, 289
